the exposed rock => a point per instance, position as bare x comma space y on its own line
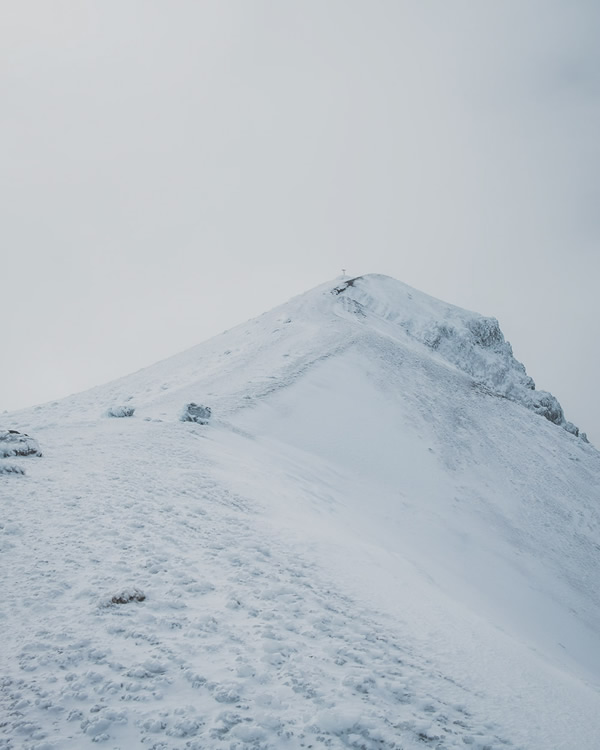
13, 443
133, 595
120, 411
471, 342
196, 413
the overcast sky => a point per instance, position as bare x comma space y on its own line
170, 169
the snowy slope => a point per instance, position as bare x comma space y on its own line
378, 541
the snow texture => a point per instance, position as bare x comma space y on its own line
378, 544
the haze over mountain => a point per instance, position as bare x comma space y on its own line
378, 534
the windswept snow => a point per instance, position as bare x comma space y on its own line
241, 640
370, 543
473, 343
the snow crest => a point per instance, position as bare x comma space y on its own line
471, 342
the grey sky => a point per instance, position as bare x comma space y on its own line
170, 169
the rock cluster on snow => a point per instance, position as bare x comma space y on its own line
478, 347
120, 411
127, 596
196, 413
14, 444
471, 342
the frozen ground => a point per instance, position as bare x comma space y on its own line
370, 545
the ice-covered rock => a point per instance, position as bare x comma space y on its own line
196, 413
14, 443
471, 342
120, 411
128, 595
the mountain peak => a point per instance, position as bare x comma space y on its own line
471, 342
250, 361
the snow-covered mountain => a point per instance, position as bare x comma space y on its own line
381, 536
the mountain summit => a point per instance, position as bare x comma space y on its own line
270, 351
352, 522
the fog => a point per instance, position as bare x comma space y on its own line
172, 169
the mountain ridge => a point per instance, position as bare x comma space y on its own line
472, 342
466, 340
359, 546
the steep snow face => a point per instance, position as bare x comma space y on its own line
473, 343
367, 542
484, 498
